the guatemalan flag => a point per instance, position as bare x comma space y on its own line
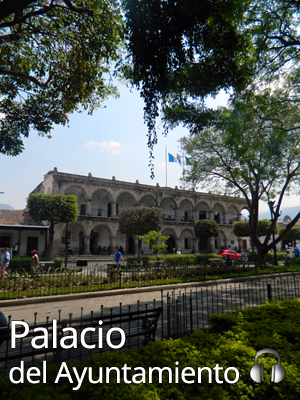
174, 159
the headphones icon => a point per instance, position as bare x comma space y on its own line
257, 372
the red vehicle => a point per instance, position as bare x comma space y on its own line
231, 253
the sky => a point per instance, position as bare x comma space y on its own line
111, 142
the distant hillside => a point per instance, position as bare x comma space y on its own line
6, 207
291, 211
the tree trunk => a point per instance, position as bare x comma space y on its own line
139, 248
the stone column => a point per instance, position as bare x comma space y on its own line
113, 209
112, 244
225, 218
88, 210
176, 213
86, 245
195, 245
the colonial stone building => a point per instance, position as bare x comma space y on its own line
100, 201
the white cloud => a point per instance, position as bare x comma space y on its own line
110, 146
161, 164
91, 145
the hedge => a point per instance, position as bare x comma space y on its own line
233, 341
174, 260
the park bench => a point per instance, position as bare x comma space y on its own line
135, 324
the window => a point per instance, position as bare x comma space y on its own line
5, 241
202, 215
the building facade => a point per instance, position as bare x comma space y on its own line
16, 227
101, 200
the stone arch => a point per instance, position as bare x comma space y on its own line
147, 201
172, 242
124, 200
81, 194
218, 213
186, 210
75, 237
100, 235
221, 240
202, 210
233, 214
185, 241
168, 207
101, 203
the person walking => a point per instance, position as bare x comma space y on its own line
118, 256
296, 251
35, 261
5, 261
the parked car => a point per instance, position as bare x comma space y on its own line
231, 253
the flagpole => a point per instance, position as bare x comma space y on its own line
166, 165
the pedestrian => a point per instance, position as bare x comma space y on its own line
69, 250
118, 256
289, 252
296, 251
15, 250
35, 262
178, 252
5, 261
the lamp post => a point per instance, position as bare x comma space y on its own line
271, 205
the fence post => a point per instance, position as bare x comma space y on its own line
255, 263
269, 288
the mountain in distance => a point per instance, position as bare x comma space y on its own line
291, 211
6, 207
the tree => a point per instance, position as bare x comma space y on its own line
205, 229
139, 221
55, 57
251, 149
52, 208
241, 228
155, 239
184, 49
293, 235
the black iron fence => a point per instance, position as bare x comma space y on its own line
19, 284
183, 311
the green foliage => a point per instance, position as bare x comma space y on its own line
250, 147
241, 228
55, 57
154, 239
274, 325
206, 228
184, 49
292, 235
140, 220
53, 208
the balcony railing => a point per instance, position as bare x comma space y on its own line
97, 212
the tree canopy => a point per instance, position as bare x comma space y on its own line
54, 209
250, 149
180, 52
182, 49
241, 228
205, 229
55, 58
140, 221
